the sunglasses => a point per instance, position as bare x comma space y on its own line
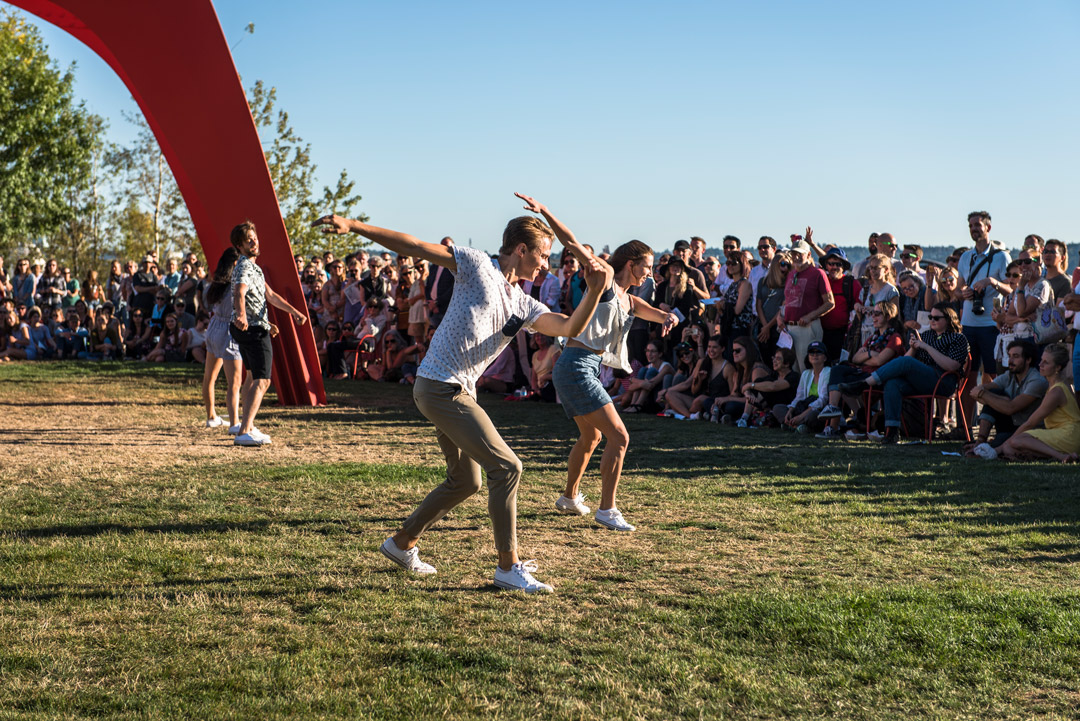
737, 350
876, 313
937, 317
733, 262
332, 327
1028, 261
1049, 251
887, 244
815, 352
835, 264
785, 264
1012, 275
910, 255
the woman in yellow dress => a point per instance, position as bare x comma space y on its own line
1060, 439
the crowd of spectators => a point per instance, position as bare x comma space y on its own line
790, 336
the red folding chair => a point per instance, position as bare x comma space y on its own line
356, 353
928, 399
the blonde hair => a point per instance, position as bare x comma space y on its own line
775, 277
526, 229
883, 261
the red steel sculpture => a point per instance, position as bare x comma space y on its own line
173, 57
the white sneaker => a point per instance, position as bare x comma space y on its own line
612, 518
695, 416
572, 506
251, 439
985, 451
409, 560
215, 422
830, 411
235, 430
875, 436
855, 436
519, 578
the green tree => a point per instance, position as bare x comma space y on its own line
293, 173
81, 240
46, 138
149, 185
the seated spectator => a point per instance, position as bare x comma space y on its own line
86, 313
1010, 399
499, 376
139, 340
56, 321
711, 379
20, 346
422, 345
543, 362
775, 388
196, 339
640, 395
160, 308
685, 361
943, 349
811, 394
748, 369
170, 345
770, 301
99, 345
1060, 439
71, 337
185, 319
885, 344
397, 353
40, 337
333, 335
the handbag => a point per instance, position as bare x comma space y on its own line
1048, 324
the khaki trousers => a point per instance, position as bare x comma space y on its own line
801, 338
470, 442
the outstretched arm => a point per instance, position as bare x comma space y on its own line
561, 231
598, 278
646, 312
400, 243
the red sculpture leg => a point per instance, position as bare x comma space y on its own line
174, 59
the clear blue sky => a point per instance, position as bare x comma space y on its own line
657, 122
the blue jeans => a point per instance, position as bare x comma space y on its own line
901, 377
1076, 363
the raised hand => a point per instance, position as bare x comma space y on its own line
598, 275
332, 224
531, 205
809, 236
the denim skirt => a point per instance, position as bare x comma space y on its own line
577, 379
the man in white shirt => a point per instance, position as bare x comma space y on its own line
487, 311
766, 249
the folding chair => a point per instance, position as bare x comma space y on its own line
928, 399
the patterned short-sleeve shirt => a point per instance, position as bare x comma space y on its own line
485, 314
248, 273
952, 345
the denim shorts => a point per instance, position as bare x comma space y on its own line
577, 380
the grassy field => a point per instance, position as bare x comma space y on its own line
150, 570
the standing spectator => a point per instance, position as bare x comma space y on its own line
729, 244
188, 287
910, 257
942, 286
766, 249
1055, 258
879, 288
51, 288
859, 271
676, 294
982, 271
807, 297
145, 286
418, 312
171, 277
739, 316
637, 339
91, 290
72, 286
846, 290
333, 294
912, 298
887, 246
770, 301
696, 277
546, 290
114, 286
697, 254
440, 288
5, 281
23, 285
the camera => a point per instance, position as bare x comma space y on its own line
977, 305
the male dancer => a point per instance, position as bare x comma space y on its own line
486, 312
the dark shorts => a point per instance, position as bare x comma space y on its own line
254, 344
981, 342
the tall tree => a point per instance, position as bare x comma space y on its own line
149, 185
80, 240
293, 173
46, 138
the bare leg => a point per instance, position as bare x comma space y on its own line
1023, 444
581, 453
232, 400
698, 406
617, 440
679, 402
210, 374
254, 390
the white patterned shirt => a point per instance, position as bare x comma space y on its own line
484, 315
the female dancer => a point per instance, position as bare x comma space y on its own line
577, 372
221, 349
